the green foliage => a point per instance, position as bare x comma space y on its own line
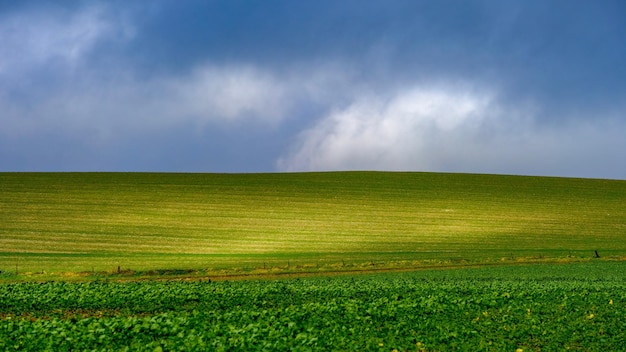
538, 307
95, 222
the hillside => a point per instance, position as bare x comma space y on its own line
72, 222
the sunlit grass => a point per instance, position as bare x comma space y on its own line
59, 222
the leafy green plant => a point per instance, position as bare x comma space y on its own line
535, 307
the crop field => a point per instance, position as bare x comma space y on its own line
132, 261
212, 224
547, 307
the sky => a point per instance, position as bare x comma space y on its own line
529, 87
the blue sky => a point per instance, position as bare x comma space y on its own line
509, 87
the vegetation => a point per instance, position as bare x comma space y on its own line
266, 223
110, 231
576, 307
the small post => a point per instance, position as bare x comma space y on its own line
596, 254
119, 270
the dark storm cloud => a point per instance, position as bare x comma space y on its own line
532, 87
553, 51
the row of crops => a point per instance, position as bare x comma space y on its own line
544, 307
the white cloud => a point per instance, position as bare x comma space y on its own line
454, 129
49, 83
229, 92
32, 39
389, 133
99, 109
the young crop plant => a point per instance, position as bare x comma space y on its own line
547, 307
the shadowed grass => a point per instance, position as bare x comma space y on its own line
72, 222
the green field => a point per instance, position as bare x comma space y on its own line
548, 307
295, 222
518, 254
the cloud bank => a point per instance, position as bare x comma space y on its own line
217, 86
435, 128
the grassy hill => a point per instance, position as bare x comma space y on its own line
72, 222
